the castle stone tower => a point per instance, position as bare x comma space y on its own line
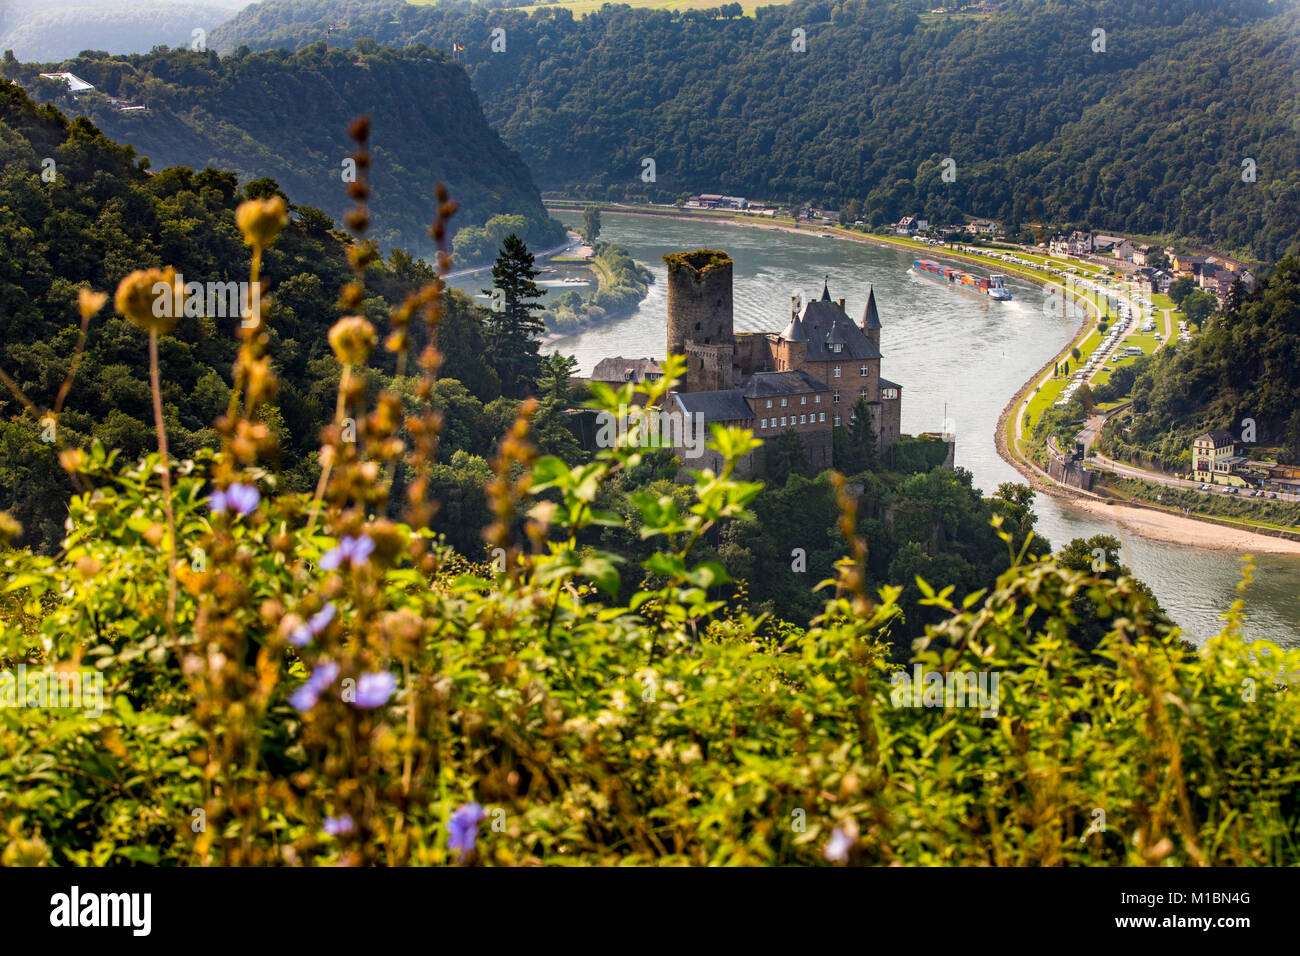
700, 317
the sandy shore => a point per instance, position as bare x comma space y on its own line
1162, 526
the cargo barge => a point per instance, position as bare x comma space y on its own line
994, 286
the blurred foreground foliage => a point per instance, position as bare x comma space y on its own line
667, 729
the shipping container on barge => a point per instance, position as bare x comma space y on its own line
994, 286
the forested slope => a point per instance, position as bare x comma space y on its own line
1147, 137
103, 216
280, 115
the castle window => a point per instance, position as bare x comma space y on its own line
889, 393
817, 398
803, 419
821, 416
769, 403
784, 403
836, 422
764, 425
783, 421
862, 393
837, 371
837, 346
803, 399
863, 371
697, 326
837, 398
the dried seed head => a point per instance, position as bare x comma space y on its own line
260, 220
140, 300
89, 303
352, 338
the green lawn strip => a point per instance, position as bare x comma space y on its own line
604, 278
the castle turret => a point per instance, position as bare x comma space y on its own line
792, 348
871, 318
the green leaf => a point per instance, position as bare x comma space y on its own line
600, 569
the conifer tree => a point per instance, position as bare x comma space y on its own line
512, 325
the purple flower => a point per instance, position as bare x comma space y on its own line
321, 619
306, 696
303, 633
352, 550
462, 828
838, 846
336, 826
373, 690
239, 497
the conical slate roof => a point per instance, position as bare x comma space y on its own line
870, 317
826, 292
794, 332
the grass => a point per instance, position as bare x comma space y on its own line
1051, 390
1143, 340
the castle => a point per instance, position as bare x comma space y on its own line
806, 378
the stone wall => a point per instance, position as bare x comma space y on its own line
756, 352
1069, 471
891, 421
709, 368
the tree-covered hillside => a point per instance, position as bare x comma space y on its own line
279, 115
102, 216
1146, 137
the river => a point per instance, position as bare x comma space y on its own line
949, 348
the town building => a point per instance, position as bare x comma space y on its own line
1075, 243
75, 83
804, 379
983, 227
717, 201
1115, 246
1153, 280
618, 371
1186, 263
1215, 459
911, 225
1285, 478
